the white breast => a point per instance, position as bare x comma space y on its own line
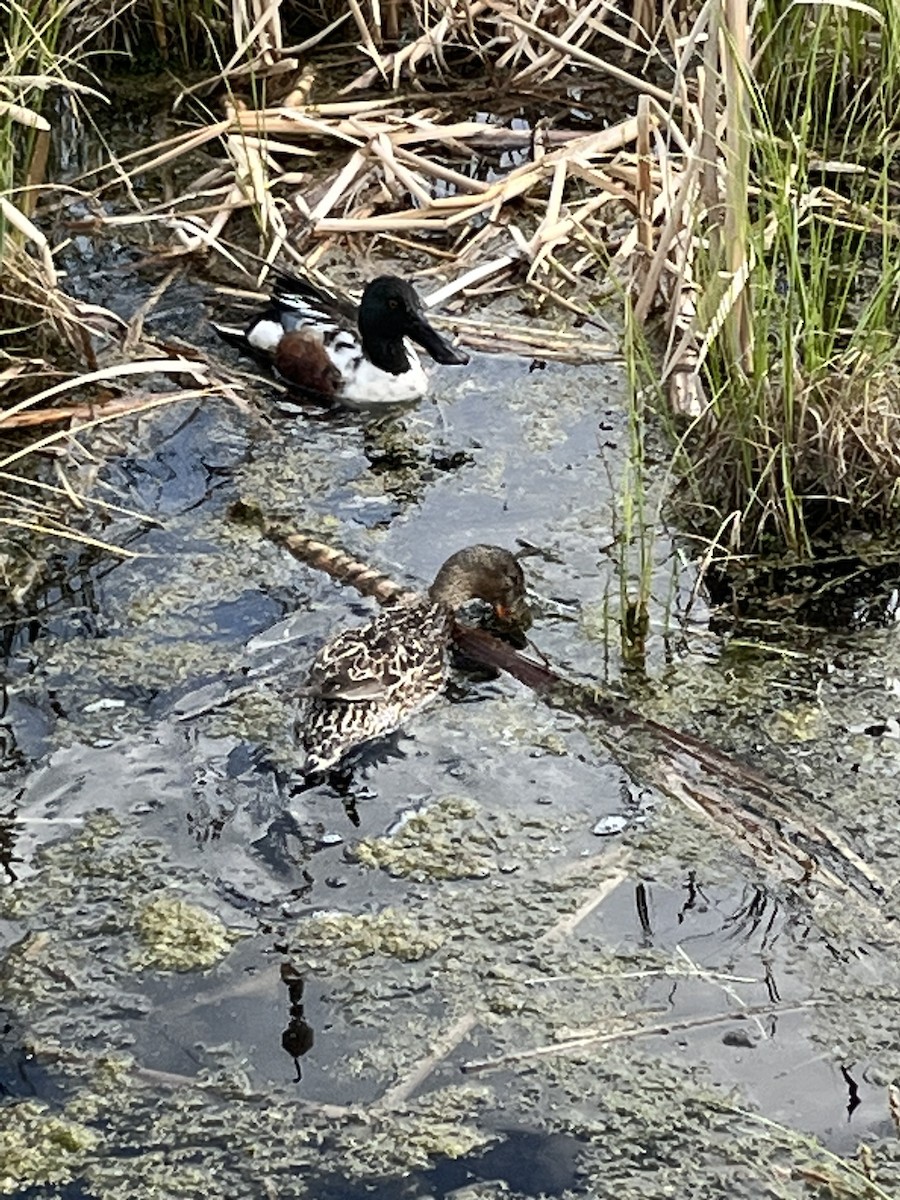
365, 383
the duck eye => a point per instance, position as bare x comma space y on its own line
393, 302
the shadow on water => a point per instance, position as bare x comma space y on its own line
491, 884
526, 1163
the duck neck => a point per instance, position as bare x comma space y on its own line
388, 354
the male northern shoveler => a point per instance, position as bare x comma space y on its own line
321, 344
365, 682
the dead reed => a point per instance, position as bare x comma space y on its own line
778, 267
739, 206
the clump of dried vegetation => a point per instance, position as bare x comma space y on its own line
731, 171
797, 397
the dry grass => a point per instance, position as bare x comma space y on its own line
402, 178
41, 426
484, 202
682, 204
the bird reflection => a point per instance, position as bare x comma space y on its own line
298, 1037
9, 832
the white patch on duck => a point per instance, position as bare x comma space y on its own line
364, 383
265, 336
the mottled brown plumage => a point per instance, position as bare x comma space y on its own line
365, 682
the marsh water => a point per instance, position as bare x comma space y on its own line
499, 959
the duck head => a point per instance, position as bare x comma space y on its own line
390, 311
487, 573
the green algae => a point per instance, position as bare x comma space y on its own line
37, 1147
329, 940
455, 838
442, 1124
92, 667
797, 723
240, 1143
293, 479
97, 867
178, 936
264, 716
439, 842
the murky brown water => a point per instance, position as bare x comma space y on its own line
393, 1007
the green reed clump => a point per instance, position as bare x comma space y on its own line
830, 67
27, 68
184, 34
802, 435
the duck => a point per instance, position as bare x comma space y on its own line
320, 344
366, 682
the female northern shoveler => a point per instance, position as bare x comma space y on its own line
321, 344
367, 681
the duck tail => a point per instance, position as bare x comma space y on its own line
231, 334
347, 570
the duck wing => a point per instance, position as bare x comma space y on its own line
299, 294
402, 650
352, 666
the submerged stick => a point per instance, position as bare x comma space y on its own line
593, 1038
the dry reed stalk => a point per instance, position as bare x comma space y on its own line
262, 23
154, 366
163, 152
75, 412
35, 174
686, 172
551, 62
530, 340
82, 499
643, 184
671, 272
235, 70
425, 166
580, 55
28, 230
61, 531
476, 275
368, 46
31, 287
458, 15
540, 38
24, 116
141, 404
735, 55
592, 1039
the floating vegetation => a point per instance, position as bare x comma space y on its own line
176, 935
38, 1147
732, 174
327, 940
438, 842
